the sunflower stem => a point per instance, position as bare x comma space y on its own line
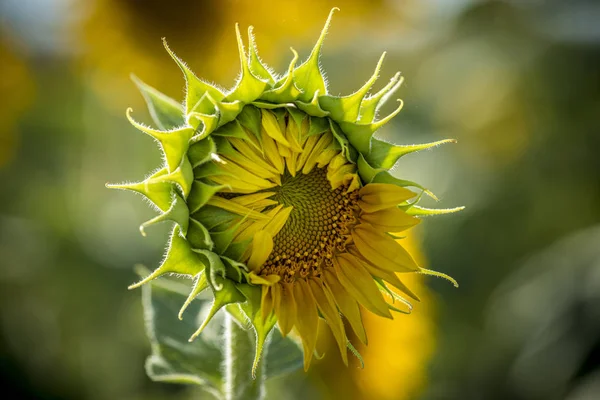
239, 355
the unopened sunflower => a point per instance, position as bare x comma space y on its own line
282, 199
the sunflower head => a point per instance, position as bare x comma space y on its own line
282, 199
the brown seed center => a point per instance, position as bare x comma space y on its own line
316, 229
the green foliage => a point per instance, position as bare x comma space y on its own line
176, 359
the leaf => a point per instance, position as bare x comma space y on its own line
284, 355
173, 358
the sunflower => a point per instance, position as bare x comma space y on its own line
282, 199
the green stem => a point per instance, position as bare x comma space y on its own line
239, 355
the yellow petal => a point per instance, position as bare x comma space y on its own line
262, 245
266, 302
251, 166
233, 185
286, 308
324, 141
272, 153
248, 200
235, 208
389, 277
347, 305
278, 221
326, 156
265, 280
377, 196
271, 127
381, 250
341, 175
390, 219
253, 155
306, 319
359, 283
248, 232
308, 146
329, 311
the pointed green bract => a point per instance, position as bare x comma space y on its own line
346, 108
308, 76
165, 112
180, 259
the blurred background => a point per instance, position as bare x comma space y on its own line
516, 82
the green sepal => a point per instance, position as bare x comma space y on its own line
200, 284
231, 129
284, 91
178, 213
183, 176
394, 296
249, 87
209, 123
173, 358
228, 111
269, 106
213, 217
359, 135
165, 112
224, 238
348, 151
426, 212
312, 107
207, 170
159, 193
201, 152
198, 236
262, 327
298, 116
180, 259
224, 290
318, 125
174, 144
385, 155
308, 76
205, 105
356, 354
234, 269
195, 87
236, 250
200, 194
346, 108
255, 64
228, 294
371, 104
250, 119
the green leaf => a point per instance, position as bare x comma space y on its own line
174, 359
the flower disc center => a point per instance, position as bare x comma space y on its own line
317, 226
